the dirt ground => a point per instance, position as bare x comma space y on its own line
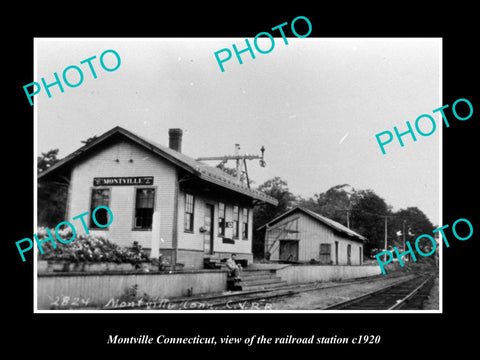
322, 298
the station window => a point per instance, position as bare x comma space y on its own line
245, 223
189, 212
236, 222
144, 206
99, 197
221, 219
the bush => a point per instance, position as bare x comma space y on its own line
89, 248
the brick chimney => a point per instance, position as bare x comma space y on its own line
175, 139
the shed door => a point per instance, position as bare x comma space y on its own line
349, 254
288, 250
336, 252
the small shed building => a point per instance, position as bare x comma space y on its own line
301, 235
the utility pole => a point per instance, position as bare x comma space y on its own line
348, 216
386, 217
403, 233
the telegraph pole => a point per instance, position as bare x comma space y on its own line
348, 216
386, 217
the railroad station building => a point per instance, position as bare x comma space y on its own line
161, 198
301, 235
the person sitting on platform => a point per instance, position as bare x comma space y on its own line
233, 268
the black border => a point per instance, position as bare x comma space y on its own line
86, 334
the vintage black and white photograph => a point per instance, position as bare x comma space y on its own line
209, 175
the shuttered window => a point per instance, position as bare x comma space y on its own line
325, 253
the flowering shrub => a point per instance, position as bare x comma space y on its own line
88, 248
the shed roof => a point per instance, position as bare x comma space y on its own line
201, 170
322, 219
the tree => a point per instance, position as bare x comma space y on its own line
368, 219
277, 188
52, 196
47, 160
415, 223
336, 203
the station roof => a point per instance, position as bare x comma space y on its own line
336, 226
197, 168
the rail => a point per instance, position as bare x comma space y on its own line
221, 300
401, 288
400, 303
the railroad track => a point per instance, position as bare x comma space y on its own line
401, 294
404, 295
258, 299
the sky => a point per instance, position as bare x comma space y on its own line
316, 105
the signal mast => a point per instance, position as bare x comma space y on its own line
241, 162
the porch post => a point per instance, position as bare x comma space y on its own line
155, 253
